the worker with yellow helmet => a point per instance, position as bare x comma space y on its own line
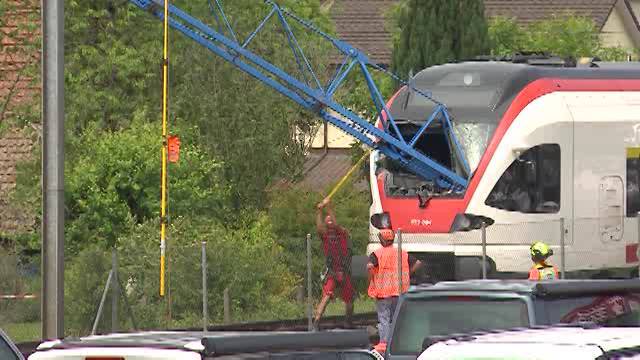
541, 269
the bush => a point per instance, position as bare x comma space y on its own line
249, 262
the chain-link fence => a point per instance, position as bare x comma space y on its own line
604, 247
213, 285
19, 297
247, 281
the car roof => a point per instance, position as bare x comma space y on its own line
538, 288
222, 342
606, 338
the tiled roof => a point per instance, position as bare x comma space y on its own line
14, 56
15, 145
362, 22
322, 172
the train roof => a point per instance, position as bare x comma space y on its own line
481, 91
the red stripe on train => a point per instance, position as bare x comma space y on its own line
438, 216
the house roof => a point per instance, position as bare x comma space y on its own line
362, 22
322, 171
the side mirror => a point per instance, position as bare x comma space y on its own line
381, 220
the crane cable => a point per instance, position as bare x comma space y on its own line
163, 205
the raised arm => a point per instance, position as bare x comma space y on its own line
319, 220
330, 212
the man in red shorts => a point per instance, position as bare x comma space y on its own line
338, 252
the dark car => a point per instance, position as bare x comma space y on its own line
448, 308
8, 350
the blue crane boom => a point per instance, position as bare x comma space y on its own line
310, 92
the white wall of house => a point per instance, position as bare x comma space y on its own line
614, 32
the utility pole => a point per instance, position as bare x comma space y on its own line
53, 169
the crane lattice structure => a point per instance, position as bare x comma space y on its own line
312, 94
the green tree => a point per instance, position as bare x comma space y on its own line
434, 32
564, 35
259, 134
112, 67
115, 186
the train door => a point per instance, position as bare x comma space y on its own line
600, 167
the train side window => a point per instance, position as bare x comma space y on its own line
633, 182
531, 184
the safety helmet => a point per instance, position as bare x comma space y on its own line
540, 250
387, 235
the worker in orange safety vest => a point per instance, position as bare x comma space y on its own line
541, 269
384, 282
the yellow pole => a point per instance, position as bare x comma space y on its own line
344, 178
163, 206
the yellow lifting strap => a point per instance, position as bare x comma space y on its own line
344, 178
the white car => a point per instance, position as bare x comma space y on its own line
543, 343
179, 345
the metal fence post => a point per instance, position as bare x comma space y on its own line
101, 306
484, 250
227, 306
205, 316
309, 301
114, 291
399, 262
562, 252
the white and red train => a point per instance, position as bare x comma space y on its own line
551, 151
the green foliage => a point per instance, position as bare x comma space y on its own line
248, 262
564, 35
112, 65
115, 185
436, 32
259, 134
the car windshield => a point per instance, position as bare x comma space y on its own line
607, 310
419, 318
6, 352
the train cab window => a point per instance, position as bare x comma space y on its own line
531, 184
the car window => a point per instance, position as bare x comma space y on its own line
607, 310
419, 318
6, 352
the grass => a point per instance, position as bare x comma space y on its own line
361, 305
22, 332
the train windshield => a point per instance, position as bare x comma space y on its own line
471, 94
473, 139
